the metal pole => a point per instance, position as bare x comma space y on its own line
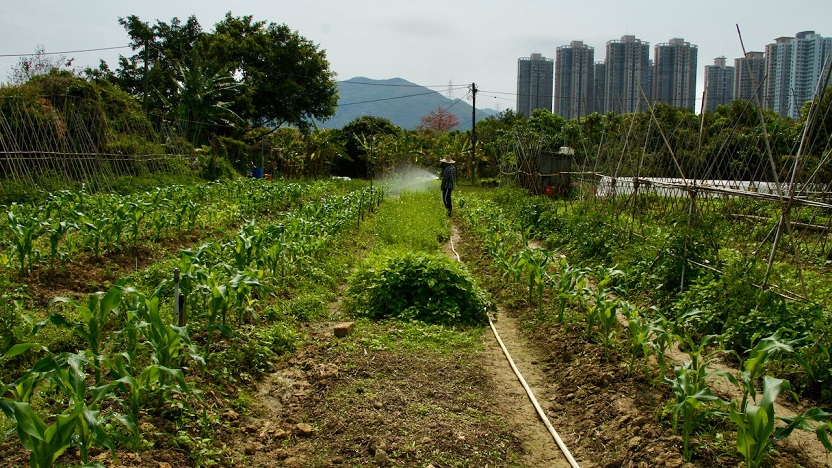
473, 132
176, 308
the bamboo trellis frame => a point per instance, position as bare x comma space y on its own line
44, 140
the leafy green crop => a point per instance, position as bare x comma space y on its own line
414, 286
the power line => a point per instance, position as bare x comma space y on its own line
399, 85
385, 99
65, 52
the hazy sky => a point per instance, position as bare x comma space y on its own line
428, 42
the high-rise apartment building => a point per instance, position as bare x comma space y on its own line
719, 84
599, 87
627, 75
778, 74
574, 80
535, 83
795, 66
674, 73
749, 73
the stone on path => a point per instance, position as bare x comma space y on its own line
344, 329
304, 430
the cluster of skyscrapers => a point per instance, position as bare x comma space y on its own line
574, 85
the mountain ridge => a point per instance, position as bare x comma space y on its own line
401, 102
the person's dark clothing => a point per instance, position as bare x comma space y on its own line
448, 183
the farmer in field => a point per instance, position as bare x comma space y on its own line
448, 177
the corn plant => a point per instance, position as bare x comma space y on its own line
136, 214
151, 379
533, 263
607, 313
187, 215
94, 230
639, 333
217, 305
169, 344
240, 289
755, 424
816, 360
691, 394
95, 316
70, 377
22, 389
45, 442
245, 245
25, 231
764, 351
568, 280
79, 426
804, 422
691, 388
57, 231
662, 340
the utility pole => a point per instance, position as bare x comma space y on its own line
473, 132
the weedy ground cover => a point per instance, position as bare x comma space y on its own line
141, 359
596, 241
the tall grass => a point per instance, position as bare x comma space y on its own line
414, 220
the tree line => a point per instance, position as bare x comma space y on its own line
246, 94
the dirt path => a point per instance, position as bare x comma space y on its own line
510, 398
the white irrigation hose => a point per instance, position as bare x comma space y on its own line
529, 392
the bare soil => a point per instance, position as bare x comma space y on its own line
328, 407
329, 404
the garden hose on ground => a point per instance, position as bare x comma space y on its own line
529, 392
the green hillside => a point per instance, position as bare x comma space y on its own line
397, 100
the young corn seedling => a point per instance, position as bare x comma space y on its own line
639, 333
764, 351
755, 424
568, 281
691, 395
662, 340
22, 389
25, 231
95, 316
136, 387
57, 231
533, 263
45, 442
70, 377
47, 438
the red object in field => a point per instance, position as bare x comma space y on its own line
549, 190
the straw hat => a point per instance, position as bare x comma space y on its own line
447, 160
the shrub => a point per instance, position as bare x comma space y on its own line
415, 286
731, 305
